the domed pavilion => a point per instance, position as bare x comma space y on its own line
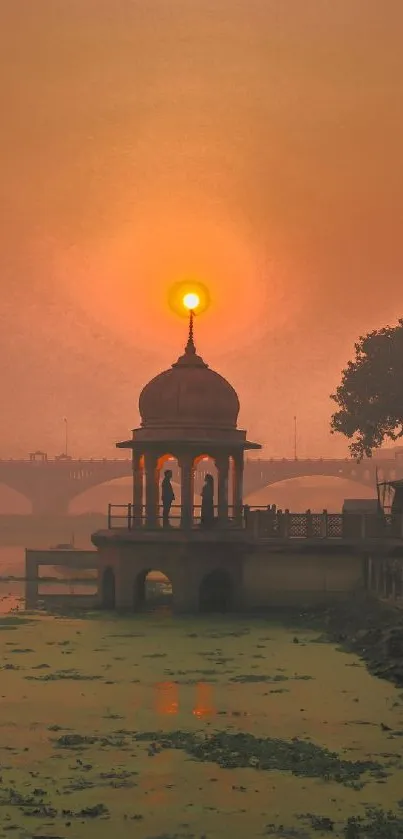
188, 412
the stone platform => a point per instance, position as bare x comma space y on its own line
228, 569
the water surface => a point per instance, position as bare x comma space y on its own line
98, 676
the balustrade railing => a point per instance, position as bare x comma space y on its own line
129, 516
266, 523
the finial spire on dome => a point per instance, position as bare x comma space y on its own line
190, 348
190, 357
191, 300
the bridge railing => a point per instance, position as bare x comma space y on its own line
67, 460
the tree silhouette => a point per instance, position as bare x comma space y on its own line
370, 396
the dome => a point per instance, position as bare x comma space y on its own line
189, 395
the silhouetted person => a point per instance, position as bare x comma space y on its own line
168, 496
207, 505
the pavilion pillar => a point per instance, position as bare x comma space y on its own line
222, 464
237, 486
138, 471
151, 473
187, 490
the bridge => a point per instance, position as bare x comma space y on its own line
51, 484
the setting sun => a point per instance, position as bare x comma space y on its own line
187, 296
191, 301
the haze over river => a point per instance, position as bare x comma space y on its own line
298, 494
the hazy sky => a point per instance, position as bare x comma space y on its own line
254, 145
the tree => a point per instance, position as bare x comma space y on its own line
370, 397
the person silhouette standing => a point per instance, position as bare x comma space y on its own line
168, 496
207, 505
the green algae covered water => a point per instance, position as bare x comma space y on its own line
155, 726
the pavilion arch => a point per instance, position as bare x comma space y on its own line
213, 468
168, 461
201, 457
216, 592
210, 465
162, 461
201, 468
108, 589
148, 589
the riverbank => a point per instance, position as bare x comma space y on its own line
363, 625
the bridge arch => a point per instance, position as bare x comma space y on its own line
50, 485
95, 498
311, 492
365, 477
261, 473
14, 501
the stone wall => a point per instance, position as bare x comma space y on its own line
257, 577
384, 577
69, 601
298, 578
265, 576
186, 567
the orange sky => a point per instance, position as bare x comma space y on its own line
255, 145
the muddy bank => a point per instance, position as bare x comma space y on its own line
363, 625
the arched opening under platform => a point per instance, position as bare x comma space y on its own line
216, 592
151, 589
108, 589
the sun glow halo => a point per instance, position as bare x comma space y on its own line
191, 301
188, 296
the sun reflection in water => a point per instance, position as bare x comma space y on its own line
167, 698
204, 701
